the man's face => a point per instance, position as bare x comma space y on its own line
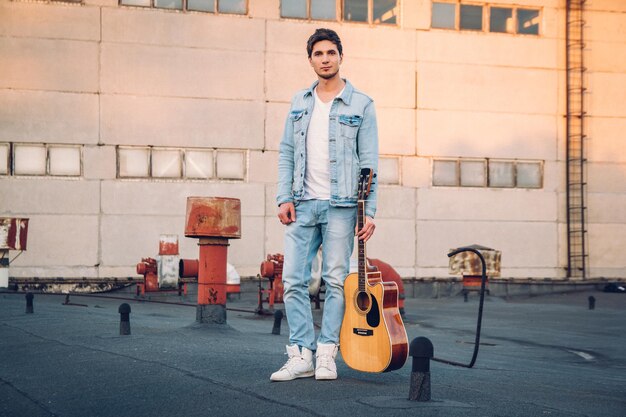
325, 59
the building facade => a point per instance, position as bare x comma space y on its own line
113, 113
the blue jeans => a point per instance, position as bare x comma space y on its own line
317, 223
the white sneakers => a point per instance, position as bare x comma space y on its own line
325, 367
300, 364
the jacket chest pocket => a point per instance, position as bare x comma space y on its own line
296, 119
349, 125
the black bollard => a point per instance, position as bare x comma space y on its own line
29, 303
124, 311
278, 317
421, 349
592, 302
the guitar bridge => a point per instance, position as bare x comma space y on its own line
363, 332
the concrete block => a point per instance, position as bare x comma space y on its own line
553, 176
485, 134
607, 243
365, 75
606, 208
396, 203
606, 178
195, 30
275, 117
416, 172
264, 9
486, 204
125, 239
59, 242
290, 36
271, 209
103, 3
452, 47
388, 170
602, 23
49, 20
165, 198
132, 120
604, 100
42, 64
396, 131
523, 244
99, 162
53, 271
486, 89
371, 43
274, 236
47, 196
606, 56
247, 253
181, 72
605, 6
416, 14
606, 143
393, 242
39, 116
285, 74
263, 167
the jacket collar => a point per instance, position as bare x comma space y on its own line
345, 96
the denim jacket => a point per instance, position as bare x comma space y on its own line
352, 141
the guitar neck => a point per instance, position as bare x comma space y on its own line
361, 246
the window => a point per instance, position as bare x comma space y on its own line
459, 15
360, 11
528, 21
208, 6
444, 15
231, 165
168, 163
473, 173
471, 17
494, 173
5, 151
40, 159
446, 172
501, 20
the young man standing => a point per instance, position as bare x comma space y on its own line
330, 134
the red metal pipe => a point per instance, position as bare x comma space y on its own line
212, 271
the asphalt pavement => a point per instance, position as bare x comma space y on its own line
542, 356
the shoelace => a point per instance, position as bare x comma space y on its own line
291, 361
324, 361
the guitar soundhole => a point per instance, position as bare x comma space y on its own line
363, 301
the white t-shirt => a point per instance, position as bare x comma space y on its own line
317, 173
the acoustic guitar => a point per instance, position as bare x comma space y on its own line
373, 337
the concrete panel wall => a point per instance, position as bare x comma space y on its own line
133, 120
104, 75
181, 72
43, 64
52, 20
497, 89
41, 116
486, 134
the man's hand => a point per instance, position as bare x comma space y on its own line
367, 231
287, 213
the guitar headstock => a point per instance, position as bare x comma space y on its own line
365, 182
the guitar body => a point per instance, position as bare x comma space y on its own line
373, 337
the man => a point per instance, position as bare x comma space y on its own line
330, 134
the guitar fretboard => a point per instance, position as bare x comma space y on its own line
361, 245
